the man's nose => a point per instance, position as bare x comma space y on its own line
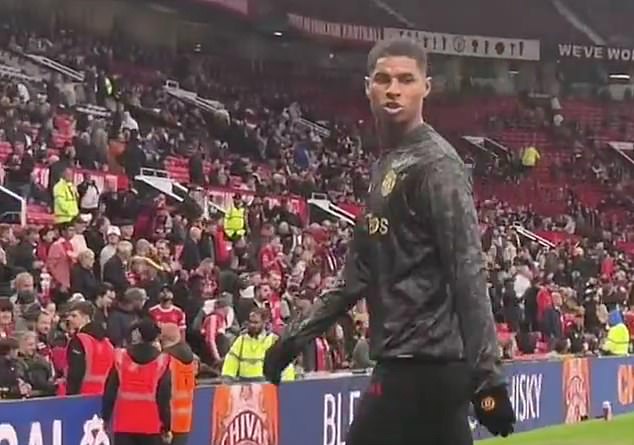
394, 88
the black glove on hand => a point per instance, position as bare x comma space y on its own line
494, 410
277, 358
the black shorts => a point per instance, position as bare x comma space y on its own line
412, 403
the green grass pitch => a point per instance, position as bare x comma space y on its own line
618, 431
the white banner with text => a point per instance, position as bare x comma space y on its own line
343, 31
471, 46
594, 52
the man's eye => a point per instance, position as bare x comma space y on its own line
382, 78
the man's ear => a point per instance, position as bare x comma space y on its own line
366, 81
427, 86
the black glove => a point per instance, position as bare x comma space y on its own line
494, 410
277, 358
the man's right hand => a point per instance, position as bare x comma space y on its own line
494, 410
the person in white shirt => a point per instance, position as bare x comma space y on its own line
114, 236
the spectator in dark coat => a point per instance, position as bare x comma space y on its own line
35, 369
114, 271
103, 303
196, 172
124, 315
512, 310
190, 256
552, 322
133, 157
11, 386
82, 276
23, 255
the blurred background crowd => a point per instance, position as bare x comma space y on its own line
228, 213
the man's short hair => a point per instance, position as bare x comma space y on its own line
4, 229
104, 288
6, 305
84, 308
7, 345
125, 247
62, 227
134, 294
30, 230
259, 312
400, 46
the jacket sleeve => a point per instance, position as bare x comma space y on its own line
232, 360
76, 359
115, 331
109, 395
333, 303
163, 398
450, 212
65, 201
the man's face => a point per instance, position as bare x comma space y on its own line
68, 174
139, 303
69, 232
113, 239
265, 292
276, 281
80, 227
25, 285
77, 320
28, 346
49, 236
106, 300
6, 237
44, 323
166, 296
33, 237
127, 231
163, 250
396, 90
6, 317
255, 324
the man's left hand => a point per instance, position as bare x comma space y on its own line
494, 410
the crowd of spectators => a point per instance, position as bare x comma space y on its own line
136, 254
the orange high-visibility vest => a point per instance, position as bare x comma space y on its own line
99, 360
136, 410
183, 385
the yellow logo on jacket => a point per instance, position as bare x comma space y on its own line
389, 181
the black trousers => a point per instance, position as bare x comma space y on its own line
413, 403
137, 439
